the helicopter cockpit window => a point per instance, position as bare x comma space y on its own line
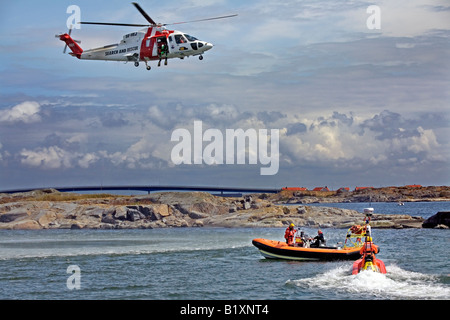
180, 39
190, 38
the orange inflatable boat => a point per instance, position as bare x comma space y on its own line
303, 250
272, 249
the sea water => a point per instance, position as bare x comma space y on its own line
215, 264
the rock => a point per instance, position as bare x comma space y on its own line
12, 216
197, 215
153, 212
26, 225
440, 218
121, 213
109, 219
134, 215
106, 226
257, 205
198, 224
160, 210
45, 218
96, 212
181, 209
301, 210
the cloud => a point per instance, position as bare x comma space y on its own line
26, 112
54, 157
46, 158
171, 116
425, 141
385, 138
142, 139
295, 128
271, 116
4, 155
87, 160
113, 120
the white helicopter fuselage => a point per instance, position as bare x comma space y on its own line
143, 45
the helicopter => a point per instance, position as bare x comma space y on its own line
154, 42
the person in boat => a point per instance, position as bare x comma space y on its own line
318, 240
300, 241
289, 234
368, 249
368, 252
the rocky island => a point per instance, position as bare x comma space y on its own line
50, 209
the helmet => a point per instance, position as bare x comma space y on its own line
291, 225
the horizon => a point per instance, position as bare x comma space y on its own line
209, 189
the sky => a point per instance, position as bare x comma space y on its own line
354, 106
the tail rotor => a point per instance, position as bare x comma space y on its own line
69, 33
71, 43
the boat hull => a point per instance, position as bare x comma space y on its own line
376, 265
272, 249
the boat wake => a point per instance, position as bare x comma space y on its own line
69, 244
396, 284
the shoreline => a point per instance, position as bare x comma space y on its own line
50, 209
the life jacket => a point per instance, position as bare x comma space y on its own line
356, 229
289, 236
368, 248
299, 241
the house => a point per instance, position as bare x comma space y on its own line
414, 186
294, 189
362, 188
321, 189
344, 189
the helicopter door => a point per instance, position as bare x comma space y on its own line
160, 45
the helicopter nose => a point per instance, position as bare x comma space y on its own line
208, 46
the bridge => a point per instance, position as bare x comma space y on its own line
149, 189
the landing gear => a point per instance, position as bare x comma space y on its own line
148, 68
201, 57
136, 64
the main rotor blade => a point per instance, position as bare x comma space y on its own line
207, 19
115, 24
146, 16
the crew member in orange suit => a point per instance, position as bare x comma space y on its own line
289, 234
